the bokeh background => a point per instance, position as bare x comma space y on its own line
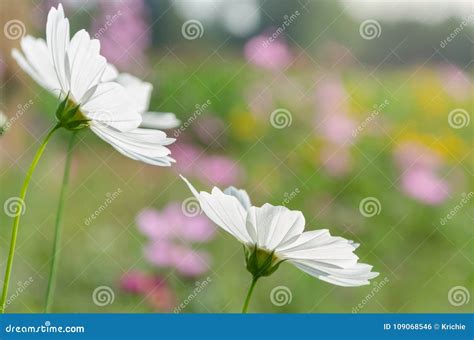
356, 113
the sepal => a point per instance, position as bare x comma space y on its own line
61, 108
260, 262
70, 116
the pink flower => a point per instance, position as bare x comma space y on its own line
337, 129
455, 82
123, 47
330, 95
424, 186
154, 288
191, 263
413, 154
173, 223
268, 53
218, 170
152, 224
186, 157
170, 232
332, 120
214, 169
187, 262
334, 126
420, 180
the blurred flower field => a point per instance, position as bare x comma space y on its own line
378, 155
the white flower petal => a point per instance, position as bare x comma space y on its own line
110, 73
329, 258
57, 39
274, 225
108, 103
225, 211
356, 275
85, 64
137, 89
159, 120
37, 63
241, 195
143, 145
319, 245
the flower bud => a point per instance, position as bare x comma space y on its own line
261, 262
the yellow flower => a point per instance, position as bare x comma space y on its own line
243, 125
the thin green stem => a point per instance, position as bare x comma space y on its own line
16, 220
57, 229
249, 294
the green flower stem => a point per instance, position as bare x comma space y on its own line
249, 294
57, 229
16, 220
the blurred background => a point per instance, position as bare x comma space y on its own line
357, 113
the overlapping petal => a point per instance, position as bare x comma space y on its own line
225, 211
36, 62
109, 104
84, 65
328, 258
159, 120
148, 146
140, 91
241, 195
356, 275
273, 226
57, 40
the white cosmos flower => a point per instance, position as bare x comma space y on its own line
74, 69
278, 232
